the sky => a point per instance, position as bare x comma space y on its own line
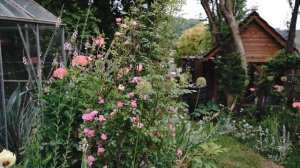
275, 12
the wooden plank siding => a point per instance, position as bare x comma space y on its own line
258, 44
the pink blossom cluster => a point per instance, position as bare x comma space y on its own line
88, 132
136, 121
90, 116
136, 79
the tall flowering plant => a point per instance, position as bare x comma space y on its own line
115, 107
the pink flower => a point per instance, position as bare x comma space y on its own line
94, 113
134, 23
90, 116
252, 90
126, 42
121, 87
118, 20
173, 134
123, 26
99, 41
101, 150
136, 79
80, 60
139, 67
171, 126
103, 136
140, 125
278, 88
88, 132
133, 119
113, 113
100, 56
179, 152
118, 34
90, 159
87, 117
60, 73
101, 101
296, 105
102, 118
173, 109
120, 104
130, 95
133, 104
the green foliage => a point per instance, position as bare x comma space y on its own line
230, 74
182, 24
293, 160
282, 62
20, 112
194, 41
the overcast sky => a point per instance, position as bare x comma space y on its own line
275, 12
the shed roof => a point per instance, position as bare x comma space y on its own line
252, 17
25, 11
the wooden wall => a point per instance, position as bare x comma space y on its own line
258, 44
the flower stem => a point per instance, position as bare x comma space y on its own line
197, 98
137, 139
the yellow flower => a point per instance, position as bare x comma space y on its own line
7, 158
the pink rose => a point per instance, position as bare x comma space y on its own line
278, 88
179, 152
136, 79
133, 119
118, 20
134, 23
103, 136
99, 41
120, 104
101, 150
102, 118
60, 73
87, 117
296, 105
101, 101
88, 132
90, 159
130, 95
113, 113
139, 67
133, 104
80, 60
118, 34
173, 134
121, 87
252, 90
171, 126
140, 125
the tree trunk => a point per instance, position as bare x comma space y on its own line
212, 22
292, 30
226, 9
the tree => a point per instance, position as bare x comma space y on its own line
193, 41
226, 8
223, 17
292, 29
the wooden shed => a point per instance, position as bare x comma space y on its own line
261, 42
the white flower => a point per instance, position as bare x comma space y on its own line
7, 158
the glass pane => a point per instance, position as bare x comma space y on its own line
12, 10
36, 10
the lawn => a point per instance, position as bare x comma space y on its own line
241, 156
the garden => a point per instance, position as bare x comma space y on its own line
125, 92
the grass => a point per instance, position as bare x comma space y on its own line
241, 156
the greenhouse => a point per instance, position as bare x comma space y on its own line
30, 39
